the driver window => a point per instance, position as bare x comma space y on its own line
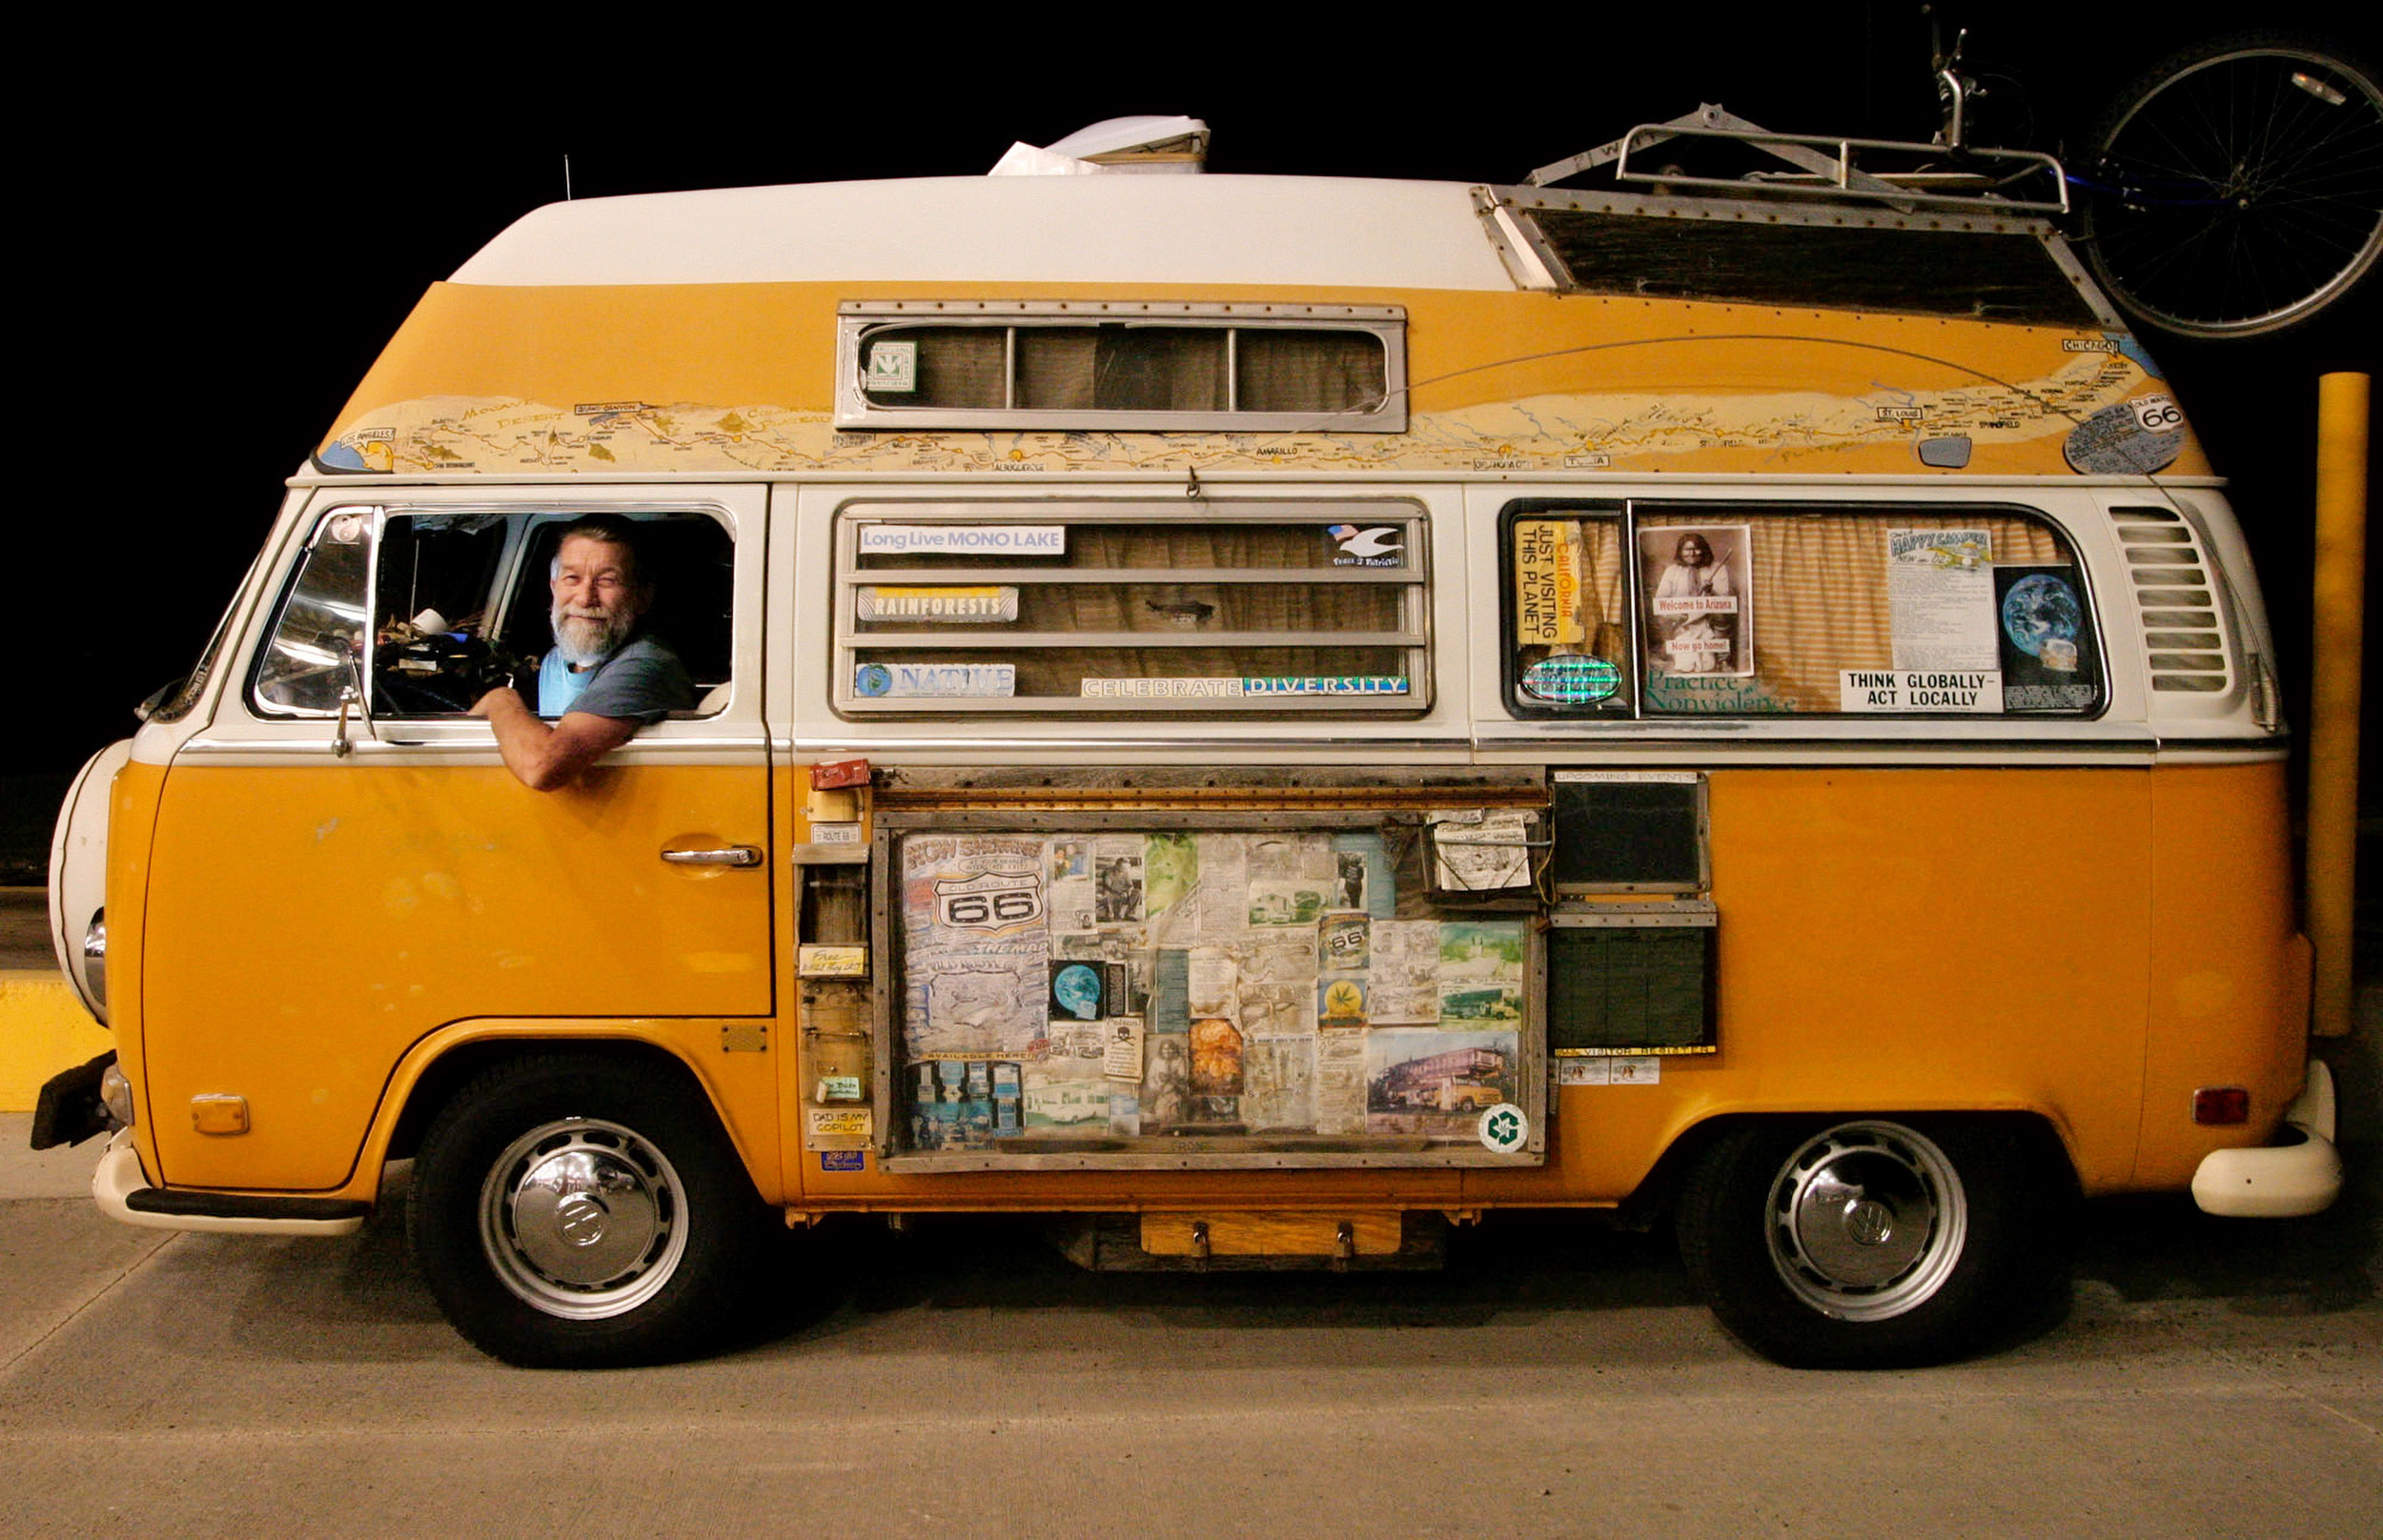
456, 604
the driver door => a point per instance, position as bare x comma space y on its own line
326, 893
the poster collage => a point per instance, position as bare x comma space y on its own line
1123, 985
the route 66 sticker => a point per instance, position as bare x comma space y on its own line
2133, 437
1504, 1129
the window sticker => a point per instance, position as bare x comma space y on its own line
1572, 679
1547, 583
950, 606
1920, 690
1361, 545
894, 367
1141, 689
1940, 591
2047, 651
964, 539
1699, 591
940, 681
1326, 684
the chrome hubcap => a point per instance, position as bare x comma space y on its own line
1866, 1221
582, 1218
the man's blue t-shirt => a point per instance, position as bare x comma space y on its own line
641, 682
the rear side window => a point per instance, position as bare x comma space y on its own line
1679, 609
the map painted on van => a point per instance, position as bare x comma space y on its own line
2060, 423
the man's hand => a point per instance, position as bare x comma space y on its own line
543, 757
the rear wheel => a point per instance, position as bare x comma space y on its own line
577, 1211
1862, 1245
2237, 188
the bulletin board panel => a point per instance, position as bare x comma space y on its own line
1177, 988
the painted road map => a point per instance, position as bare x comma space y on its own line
1986, 427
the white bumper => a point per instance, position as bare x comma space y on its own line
120, 1175
2282, 1181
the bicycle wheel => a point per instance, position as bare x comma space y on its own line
2238, 188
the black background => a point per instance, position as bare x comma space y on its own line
226, 227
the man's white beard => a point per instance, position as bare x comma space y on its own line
584, 641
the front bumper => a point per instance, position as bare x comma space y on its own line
123, 1193
2300, 1175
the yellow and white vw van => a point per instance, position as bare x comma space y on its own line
1269, 717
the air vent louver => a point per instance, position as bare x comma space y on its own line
2174, 599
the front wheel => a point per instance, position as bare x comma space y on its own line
1863, 1245
573, 1211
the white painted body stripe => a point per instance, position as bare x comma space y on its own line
1175, 229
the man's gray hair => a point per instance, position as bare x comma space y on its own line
610, 528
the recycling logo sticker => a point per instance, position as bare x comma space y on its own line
1504, 1129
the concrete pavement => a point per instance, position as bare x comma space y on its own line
2209, 1377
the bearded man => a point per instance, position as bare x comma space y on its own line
604, 679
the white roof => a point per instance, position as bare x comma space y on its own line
1109, 229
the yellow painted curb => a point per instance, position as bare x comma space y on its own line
43, 1028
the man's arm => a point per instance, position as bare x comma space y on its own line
547, 758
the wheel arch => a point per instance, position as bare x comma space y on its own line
2036, 1134
441, 1065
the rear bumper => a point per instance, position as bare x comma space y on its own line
2299, 1174
123, 1193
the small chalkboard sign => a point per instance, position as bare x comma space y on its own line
1629, 832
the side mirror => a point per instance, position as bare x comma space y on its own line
155, 699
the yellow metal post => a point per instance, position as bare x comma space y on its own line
2339, 602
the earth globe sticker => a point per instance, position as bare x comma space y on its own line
2042, 618
1078, 991
872, 680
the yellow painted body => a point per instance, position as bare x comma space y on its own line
2087, 944
309, 927
731, 378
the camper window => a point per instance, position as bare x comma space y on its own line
1120, 365
1102, 608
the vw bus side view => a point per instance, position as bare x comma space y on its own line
1454, 699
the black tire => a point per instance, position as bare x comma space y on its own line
1864, 1243
2236, 189
583, 1211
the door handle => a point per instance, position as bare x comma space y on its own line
733, 855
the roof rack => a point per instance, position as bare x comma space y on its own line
1975, 177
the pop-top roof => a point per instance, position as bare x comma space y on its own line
1154, 230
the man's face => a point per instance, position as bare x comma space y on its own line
1692, 551
597, 598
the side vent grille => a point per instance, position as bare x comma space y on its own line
2182, 631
